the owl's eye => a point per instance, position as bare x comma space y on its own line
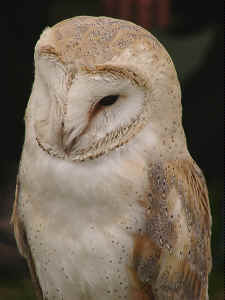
108, 100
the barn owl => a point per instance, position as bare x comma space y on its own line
109, 203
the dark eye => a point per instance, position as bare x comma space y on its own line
108, 100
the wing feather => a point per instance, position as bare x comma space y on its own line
172, 258
22, 243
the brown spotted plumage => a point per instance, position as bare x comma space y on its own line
172, 256
109, 203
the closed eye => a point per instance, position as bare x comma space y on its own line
108, 100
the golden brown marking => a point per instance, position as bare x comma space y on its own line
146, 255
141, 295
120, 72
92, 41
138, 290
190, 175
144, 245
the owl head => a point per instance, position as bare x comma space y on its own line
99, 84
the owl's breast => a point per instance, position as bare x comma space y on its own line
80, 221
